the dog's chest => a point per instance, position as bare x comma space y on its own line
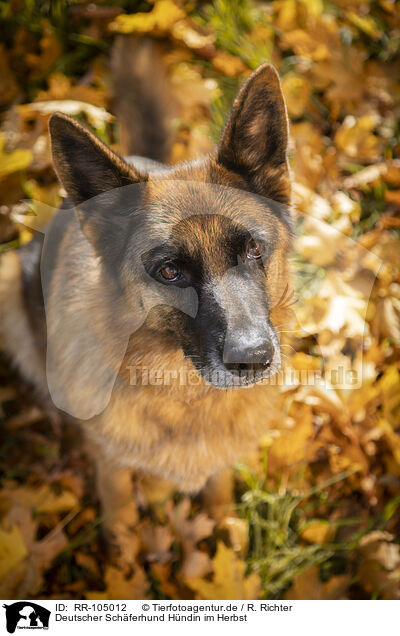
185, 441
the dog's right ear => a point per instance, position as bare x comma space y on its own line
254, 142
85, 166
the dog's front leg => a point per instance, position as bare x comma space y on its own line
218, 496
119, 511
120, 515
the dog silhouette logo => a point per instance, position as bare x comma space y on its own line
26, 615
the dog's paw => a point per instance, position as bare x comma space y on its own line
122, 545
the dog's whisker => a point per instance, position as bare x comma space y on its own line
290, 331
290, 346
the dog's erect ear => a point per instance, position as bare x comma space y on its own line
254, 142
85, 166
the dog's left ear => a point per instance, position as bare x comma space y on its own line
85, 166
254, 142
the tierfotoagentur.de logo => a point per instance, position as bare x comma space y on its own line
26, 615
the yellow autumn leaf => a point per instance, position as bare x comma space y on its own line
344, 205
306, 45
119, 587
159, 20
291, 11
318, 531
365, 24
49, 502
301, 361
229, 581
61, 87
238, 530
308, 586
45, 202
292, 445
355, 138
228, 65
393, 442
42, 500
390, 385
297, 91
391, 173
12, 550
13, 161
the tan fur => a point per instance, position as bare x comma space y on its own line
16, 337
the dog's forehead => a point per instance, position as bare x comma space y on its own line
187, 197
194, 211
207, 238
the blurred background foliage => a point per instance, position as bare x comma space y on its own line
315, 513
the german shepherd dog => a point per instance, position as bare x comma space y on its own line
199, 252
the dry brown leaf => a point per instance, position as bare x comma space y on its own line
51, 51
196, 564
157, 541
8, 84
380, 566
190, 532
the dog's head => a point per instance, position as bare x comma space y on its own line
219, 226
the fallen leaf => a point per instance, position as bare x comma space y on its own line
318, 531
356, 140
159, 20
238, 530
13, 161
119, 587
308, 586
42, 500
228, 64
190, 532
297, 91
229, 581
12, 550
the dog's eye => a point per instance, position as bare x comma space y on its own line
255, 249
170, 272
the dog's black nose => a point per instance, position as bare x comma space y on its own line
249, 358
